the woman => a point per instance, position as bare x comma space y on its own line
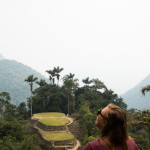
112, 122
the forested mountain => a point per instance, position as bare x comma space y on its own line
12, 76
134, 98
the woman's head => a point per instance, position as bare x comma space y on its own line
112, 122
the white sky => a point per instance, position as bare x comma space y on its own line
105, 39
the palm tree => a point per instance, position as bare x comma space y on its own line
57, 71
31, 79
87, 82
70, 76
70, 84
52, 74
41, 82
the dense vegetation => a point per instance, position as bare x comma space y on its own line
14, 127
68, 98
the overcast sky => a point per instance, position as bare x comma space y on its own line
105, 39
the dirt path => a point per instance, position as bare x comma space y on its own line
70, 119
77, 146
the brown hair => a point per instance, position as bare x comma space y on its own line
115, 128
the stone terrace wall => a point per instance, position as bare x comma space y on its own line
50, 128
33, 121
75, 130
71, 142
31, 129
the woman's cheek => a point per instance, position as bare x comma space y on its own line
96, 122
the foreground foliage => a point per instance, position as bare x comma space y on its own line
139, 127
14, 136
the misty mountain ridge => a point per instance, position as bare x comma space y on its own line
12, 76
134, 98
1, 57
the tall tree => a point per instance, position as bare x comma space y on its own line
97, 85
4, 101
70, 84
22, 110
31, 79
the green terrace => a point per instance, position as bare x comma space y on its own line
59, 136
54, 121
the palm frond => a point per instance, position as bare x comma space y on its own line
145, 89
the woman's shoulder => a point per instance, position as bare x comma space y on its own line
132, 144
94, 145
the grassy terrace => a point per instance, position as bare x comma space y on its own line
54, 121
49, 114
58, 121
57, 136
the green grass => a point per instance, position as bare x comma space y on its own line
50, 114
57, 136
54, 121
